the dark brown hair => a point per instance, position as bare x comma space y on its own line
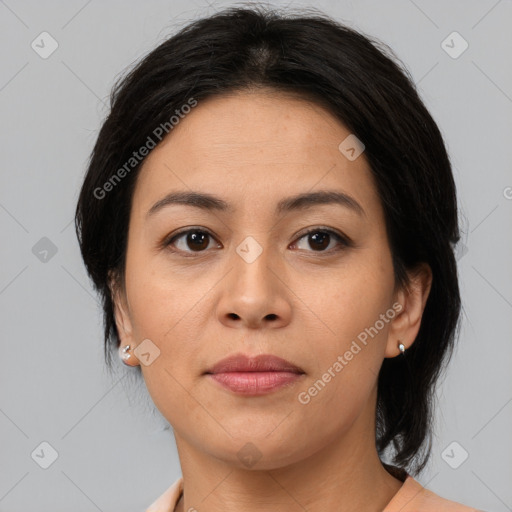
364, 85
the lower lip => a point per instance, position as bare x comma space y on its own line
255, 383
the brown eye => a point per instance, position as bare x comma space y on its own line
193, 240
320, 239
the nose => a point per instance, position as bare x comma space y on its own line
255, 294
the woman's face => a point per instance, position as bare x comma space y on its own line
249, 280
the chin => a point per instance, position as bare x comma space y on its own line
256, 452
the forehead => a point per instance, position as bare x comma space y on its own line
254, 146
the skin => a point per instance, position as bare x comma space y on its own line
296, 301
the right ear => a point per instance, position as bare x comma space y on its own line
121, 315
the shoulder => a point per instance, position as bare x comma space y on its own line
168, 500
413, 497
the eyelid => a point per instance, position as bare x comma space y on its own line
342, 239
168, 240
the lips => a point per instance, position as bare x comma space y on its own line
260, 363
254, 376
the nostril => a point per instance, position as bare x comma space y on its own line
234, 316
271, 316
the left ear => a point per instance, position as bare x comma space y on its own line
412, 297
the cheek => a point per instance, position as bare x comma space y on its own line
160, 297
351, 298
165, 311
352, 312
346, 361
169, 306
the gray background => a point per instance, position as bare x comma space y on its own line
114, 452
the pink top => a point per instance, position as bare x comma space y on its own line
411, 497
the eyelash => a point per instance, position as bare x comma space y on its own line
342, 240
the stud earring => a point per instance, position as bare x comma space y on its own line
124, 355
401, 347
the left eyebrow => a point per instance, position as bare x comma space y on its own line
310, 199
302, 201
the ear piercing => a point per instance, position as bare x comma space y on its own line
125, 355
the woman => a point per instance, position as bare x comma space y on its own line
269, 216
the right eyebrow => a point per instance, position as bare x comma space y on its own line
199, 200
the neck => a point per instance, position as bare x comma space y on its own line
345, 475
